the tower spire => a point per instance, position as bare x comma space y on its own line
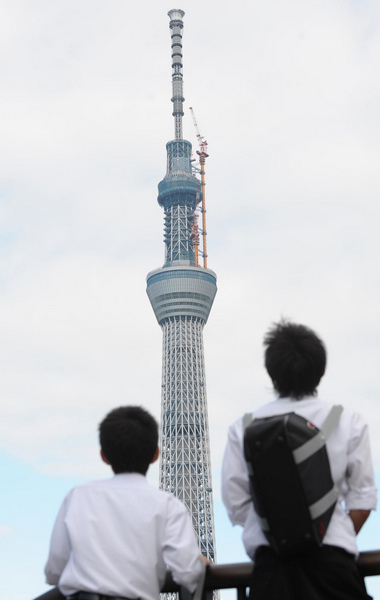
176, 27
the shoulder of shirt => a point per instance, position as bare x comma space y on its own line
347, 414
257, 412
90, 485
143, 484
105, 483
284, 405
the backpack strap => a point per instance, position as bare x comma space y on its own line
247, 420
332, 420
323, 504
318, 441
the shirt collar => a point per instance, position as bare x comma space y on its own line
129, 478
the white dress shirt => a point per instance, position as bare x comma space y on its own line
117, 536
350, 459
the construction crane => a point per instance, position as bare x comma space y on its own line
202, 153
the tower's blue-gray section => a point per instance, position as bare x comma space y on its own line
179, 194
180, 288
178, 291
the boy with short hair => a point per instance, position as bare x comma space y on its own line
295, 359
115, 538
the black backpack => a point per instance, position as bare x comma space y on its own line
291, 484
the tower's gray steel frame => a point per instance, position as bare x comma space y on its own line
181, 295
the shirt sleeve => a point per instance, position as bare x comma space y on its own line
236, 493
59, 550
181, 552
362, 493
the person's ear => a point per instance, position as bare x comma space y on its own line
104, 458
156, 455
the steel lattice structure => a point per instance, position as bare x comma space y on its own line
181, 294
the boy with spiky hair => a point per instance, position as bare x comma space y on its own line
295, 358
115, 538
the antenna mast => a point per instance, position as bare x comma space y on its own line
176, 26
202, 153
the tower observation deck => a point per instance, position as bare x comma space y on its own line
181, 295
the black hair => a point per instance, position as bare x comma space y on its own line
295, 358
129, 438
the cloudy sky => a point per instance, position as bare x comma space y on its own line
287, 94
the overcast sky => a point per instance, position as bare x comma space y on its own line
287, 93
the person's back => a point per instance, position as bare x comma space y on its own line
295, 359
116, 537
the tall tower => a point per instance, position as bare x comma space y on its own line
181, 295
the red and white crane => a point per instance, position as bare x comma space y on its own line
202, 153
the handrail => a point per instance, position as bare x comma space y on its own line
369, 563
236, 575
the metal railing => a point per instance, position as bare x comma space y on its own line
236, 575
